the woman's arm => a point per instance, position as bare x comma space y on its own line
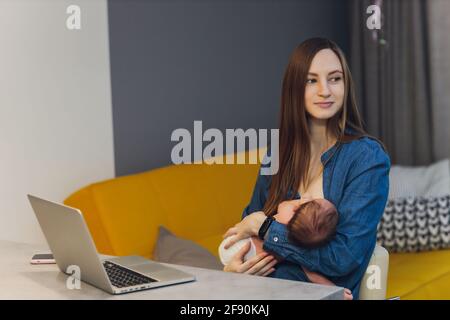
252, 216
252, 220
263, 262
259, 195
360, 209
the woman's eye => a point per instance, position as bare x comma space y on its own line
335, 79
310, 81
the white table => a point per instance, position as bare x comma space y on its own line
21, 280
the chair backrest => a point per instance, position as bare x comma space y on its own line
374, 283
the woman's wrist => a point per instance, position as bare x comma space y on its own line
260, 217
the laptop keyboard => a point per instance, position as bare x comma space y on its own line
121, 277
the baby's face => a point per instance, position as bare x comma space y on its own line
286, 209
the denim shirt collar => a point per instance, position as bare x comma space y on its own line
324, 159
329, 153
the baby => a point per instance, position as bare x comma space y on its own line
311, 223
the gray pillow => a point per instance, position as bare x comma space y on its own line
423, 181
415, 224
171, 249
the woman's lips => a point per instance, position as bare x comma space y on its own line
324, 104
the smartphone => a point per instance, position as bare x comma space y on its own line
42, 258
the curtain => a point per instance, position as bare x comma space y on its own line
398, 75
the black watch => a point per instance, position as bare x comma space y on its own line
264, 227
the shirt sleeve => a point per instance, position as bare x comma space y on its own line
259, 195
360, 209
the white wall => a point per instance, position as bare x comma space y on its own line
55, 107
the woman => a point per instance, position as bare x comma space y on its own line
325, 152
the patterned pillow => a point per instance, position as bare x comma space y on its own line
415, 224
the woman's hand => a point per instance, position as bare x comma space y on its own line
249, 226
260, 265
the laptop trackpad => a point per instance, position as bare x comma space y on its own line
150, 268
162, 273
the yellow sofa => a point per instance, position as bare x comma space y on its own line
199, 202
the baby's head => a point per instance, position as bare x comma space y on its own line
313, 224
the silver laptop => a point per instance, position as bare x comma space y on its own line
71, 244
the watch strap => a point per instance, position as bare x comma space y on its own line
264, 227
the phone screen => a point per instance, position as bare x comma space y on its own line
42, 256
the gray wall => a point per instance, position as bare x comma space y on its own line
222, 62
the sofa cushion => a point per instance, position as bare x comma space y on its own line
171, 249
424, 275
415, 224
425, 181
212, 243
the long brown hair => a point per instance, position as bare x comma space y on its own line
294, 143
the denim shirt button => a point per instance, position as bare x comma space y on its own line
275, 239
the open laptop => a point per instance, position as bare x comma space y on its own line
71, 244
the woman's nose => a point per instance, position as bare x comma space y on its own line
324, 90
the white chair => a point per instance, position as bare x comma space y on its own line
374, 283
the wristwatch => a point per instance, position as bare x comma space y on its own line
264, 227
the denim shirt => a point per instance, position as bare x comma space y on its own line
356, 181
